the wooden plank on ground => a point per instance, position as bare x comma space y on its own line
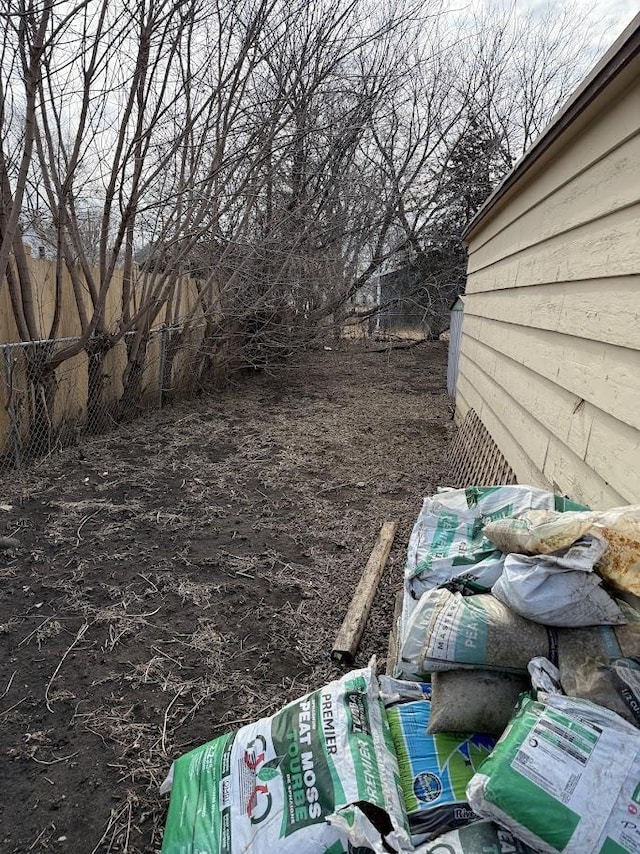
348, 638
394, 637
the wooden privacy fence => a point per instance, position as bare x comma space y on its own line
36, 416
181, 299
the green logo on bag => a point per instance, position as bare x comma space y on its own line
357, 705
269, 770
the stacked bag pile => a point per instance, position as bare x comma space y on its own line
507, 617
510, 724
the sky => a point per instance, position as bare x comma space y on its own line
622, 11
610, 20
605, 20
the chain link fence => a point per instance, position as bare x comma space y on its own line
42, 411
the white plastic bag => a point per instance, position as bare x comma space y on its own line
396, 691
447, 540
447, 545
545, 676
559, 589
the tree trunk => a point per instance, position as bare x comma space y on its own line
218, 350
174, 338
42, 388
129, 406
98, 416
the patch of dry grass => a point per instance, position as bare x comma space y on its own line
187, 574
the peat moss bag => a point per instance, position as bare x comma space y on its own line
434, 770
449, 631
565, 776
318, 776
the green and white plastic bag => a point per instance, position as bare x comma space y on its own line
434, 769
565, 776
481, 837
305, 779
448, 546
448, 631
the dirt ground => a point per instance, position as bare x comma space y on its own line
188, 573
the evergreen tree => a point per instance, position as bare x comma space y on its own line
474, 168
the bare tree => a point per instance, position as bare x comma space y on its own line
278, 154
483, 87
529, 62
142, 149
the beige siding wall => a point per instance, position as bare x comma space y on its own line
551, 338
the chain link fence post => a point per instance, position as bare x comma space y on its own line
11, 410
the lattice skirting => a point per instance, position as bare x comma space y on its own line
475, 459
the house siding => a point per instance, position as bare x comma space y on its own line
550, 355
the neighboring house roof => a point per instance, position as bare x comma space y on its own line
620, 54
